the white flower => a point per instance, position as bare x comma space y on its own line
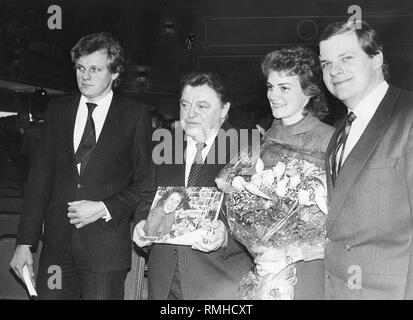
320, 197
308, 168
281, 188
279, 170
267, 205
255, 190
291, 171
294, 181
304, 197
305, 216
256, 179
259, 166
238, 183
267, 177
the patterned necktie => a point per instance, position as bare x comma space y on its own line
341, 144
88, 142
196, 165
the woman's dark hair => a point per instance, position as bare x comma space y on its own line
100, 41
211, 79
304, 63
182, 193
368, 38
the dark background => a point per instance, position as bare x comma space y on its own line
164, 39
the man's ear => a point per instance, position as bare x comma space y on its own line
115, 76
378, 61
225, 109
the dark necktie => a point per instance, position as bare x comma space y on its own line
341, 144
196, 165
88, 142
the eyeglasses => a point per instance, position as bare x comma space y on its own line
198, 107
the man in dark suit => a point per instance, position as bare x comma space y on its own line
213, 268
369, 247
86, 182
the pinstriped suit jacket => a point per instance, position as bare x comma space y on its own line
116, 174
203, 276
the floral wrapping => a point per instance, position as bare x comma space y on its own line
276, 207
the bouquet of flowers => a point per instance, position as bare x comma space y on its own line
276, 207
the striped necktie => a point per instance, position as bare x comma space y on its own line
88, 142
196, 165
341, 144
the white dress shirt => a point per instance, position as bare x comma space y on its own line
190, 153
364, 111
99, 117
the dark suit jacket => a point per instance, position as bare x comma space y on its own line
203, 276
369, 250
116, 174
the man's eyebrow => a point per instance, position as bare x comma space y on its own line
197, 102
340, 55
280, 84
346, 53
91, 66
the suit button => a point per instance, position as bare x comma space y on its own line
175, 251
347, 248
327, 276
80, 186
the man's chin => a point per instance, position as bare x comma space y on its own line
87, 92
194, 132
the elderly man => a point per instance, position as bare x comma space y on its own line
370, 171
213, 268
86, 181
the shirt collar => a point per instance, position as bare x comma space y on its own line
208, 142
307, 123
366, 108
105, 101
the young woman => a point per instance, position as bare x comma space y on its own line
295, 93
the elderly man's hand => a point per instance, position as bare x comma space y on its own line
213, 238
139, 234
84, 212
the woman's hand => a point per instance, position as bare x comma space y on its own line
139, 234
214, 237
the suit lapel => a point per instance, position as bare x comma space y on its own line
179, 173
332, 145
173, 174
68, 126
210, 171
360, 154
